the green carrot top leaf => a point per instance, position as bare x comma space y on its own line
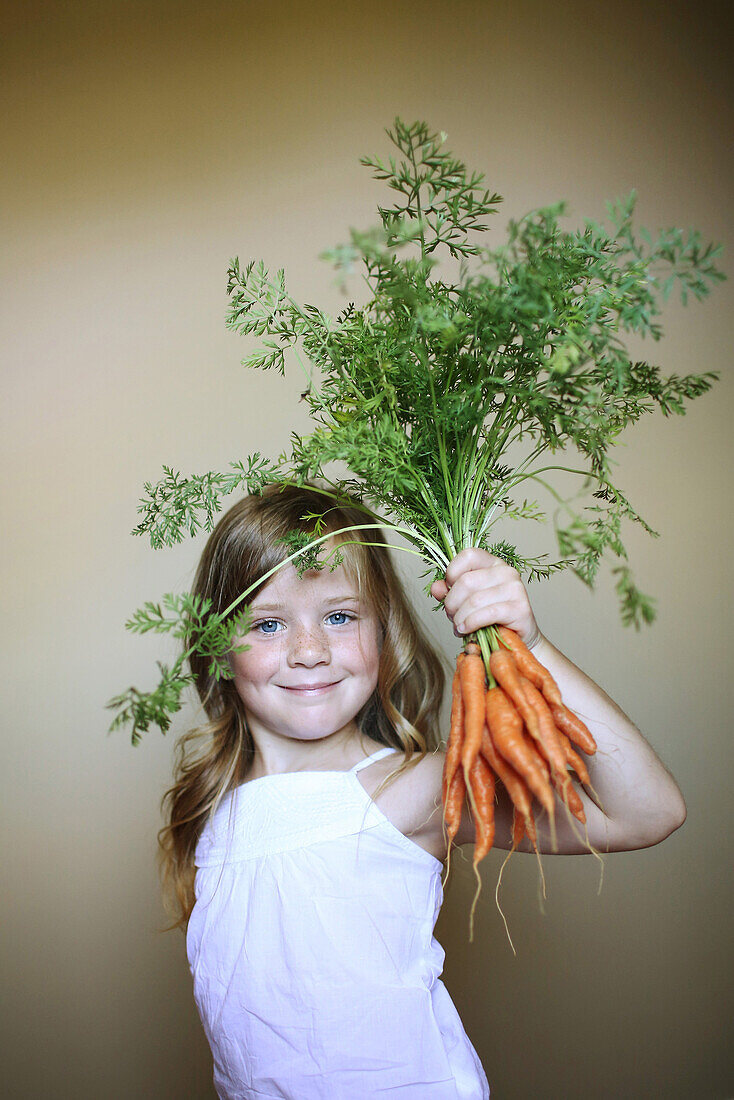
454, 404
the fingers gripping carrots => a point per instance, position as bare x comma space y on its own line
517, 732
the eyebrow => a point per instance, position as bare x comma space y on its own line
261, 607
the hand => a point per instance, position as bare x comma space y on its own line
482, 590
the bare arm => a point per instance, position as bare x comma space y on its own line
639, 801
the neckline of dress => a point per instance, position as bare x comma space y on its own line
314, 771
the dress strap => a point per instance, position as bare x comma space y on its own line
371, 759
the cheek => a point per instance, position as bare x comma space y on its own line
369, 646
256, 665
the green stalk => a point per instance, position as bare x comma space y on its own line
417, 193
450, 490
494, 500
487, 642
429, 499
532, 474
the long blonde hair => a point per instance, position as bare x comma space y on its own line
403, 712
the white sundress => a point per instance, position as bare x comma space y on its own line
316, 972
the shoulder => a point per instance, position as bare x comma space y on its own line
411, 799
413, 802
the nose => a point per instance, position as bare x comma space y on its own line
308, 647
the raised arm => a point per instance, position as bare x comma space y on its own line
639, 801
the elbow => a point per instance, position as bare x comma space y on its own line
679, 814
666, 823
653, 823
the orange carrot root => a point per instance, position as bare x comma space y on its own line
518, 831
506, 733
473, 689
533, 837
569, 795
543, 730
515, 786
573, 727
573, 760
522, 734
529, 665
452, 815
455, 805
456, 731
481, 787
453, 792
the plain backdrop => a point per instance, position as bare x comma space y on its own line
145, 144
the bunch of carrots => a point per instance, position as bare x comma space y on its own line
518, 732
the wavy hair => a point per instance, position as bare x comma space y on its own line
403, 711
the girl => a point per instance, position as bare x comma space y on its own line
305, 841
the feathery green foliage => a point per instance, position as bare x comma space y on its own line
424, 392
189, 619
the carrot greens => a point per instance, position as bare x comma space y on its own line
453, 402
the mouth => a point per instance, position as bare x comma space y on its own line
308, 691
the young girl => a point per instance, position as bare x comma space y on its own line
305, 840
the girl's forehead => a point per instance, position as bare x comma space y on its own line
286, 585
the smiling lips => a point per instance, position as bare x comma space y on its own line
310, 689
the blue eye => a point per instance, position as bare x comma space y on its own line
267, 626
343, 617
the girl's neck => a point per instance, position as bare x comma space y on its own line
339, 752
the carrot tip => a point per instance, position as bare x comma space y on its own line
497, 898
474, 903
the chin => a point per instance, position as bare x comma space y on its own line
317, 733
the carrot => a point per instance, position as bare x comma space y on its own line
482, 784
473, 690
518, 831
570, 796
518, 827
530, 829
506, 732
544, 731
505, 671
573, 760
540, 761
453, 805
529, 665
533, 838
515, 786
504, 668
453, 785
453, 809
550, 743
573, 727
456, 733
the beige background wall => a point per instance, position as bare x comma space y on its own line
144, 144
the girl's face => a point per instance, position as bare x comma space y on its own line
314, 656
